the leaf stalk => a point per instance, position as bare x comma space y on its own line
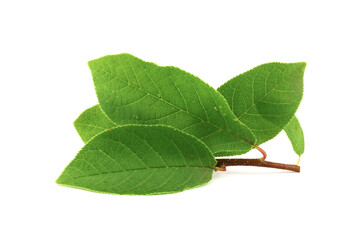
262, 152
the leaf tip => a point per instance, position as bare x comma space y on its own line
91, 63
58, 180
301, 65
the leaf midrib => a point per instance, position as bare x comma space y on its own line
139, 169
161, 99
91, 125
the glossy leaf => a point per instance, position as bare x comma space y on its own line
139, 159
266, 97
295, 134
132, 91
91, 122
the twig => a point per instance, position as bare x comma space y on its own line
224, 162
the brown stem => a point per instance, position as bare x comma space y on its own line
223, 162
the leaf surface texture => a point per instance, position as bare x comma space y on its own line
266, 97
296, 136
92, 122
132, 91
140, 160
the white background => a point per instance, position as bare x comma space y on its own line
46, 84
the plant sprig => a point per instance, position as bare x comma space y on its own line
158, 129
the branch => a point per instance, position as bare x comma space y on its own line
224, 162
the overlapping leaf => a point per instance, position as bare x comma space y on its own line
266, 97
295, 134
91, 122
140, 160
132, 91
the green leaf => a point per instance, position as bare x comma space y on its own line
295, 134
132, 91
266, 97
91, 122
139, 159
